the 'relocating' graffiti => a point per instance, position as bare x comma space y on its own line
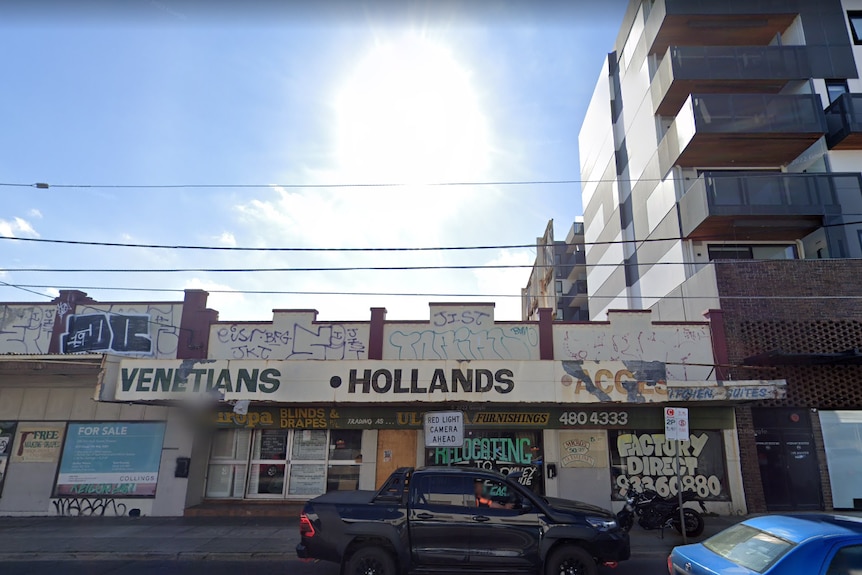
88, 507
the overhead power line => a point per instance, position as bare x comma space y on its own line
370, 249
85, 306
366, 268
333, 185
26, 287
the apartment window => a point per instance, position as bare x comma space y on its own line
559, 286
559, 315
855, 18
834, 88
752, 252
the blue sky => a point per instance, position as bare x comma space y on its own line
169, 92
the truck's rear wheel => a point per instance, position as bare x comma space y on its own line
570, 560
370, 561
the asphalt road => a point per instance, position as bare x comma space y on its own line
653, 565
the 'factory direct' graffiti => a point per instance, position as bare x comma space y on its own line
647, 460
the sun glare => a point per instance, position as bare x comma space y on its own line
408, 113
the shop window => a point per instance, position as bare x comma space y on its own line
228, 463
282, 463
503, 451
344, 456
7, 433
633, 468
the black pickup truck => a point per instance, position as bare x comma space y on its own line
450, 519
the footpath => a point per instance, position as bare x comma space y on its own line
207, 538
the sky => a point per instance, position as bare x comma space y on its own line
260, 101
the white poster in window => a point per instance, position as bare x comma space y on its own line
310, 445
307, 479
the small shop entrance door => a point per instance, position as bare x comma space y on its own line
788, 462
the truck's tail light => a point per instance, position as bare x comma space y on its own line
306, 529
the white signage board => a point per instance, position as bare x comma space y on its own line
444, 429
676, 423
400, 381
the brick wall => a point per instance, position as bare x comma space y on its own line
820, 450
796, 306
755, 323
754, 498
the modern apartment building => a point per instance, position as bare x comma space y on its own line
558, 280
721, 155
719, 130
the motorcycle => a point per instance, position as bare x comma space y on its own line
656, 512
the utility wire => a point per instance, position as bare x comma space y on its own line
402, 294
91, 308
384, 268
565, 181
383, 249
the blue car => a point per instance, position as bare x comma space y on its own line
810, 544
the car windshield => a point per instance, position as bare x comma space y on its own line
749, 547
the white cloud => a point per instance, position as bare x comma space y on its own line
53, 292
226, 239
17, 227
34, 213
506, 281
231, 306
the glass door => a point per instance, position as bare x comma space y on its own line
268, 466
308, 463
228, 464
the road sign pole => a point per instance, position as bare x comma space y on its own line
679, 492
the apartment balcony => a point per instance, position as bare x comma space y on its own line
576, 233
688, 23
741, 130
844, 123
575, 264
577, 294
764, 205
722, 70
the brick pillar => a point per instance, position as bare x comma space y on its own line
755, 500
195, 325
820, 450
546, 333
66, 304
375, 336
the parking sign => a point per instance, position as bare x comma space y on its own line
676, 423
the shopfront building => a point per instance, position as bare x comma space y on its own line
289, 430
